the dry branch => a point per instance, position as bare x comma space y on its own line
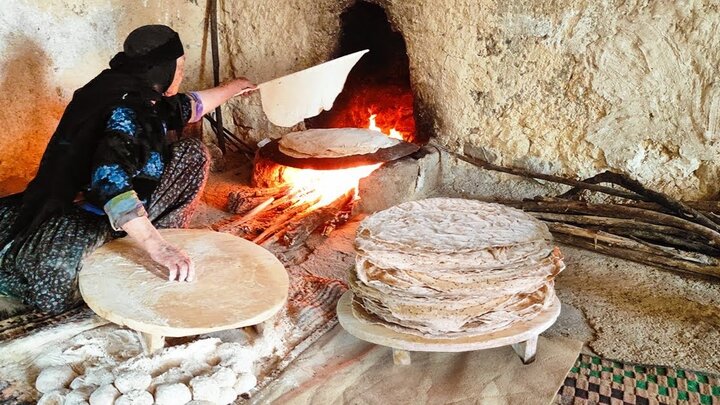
619, 211
295, 212
624, 248
683, 210
556, 179
300, 230
659, 234
244, 199
652, 228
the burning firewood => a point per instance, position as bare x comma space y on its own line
307, 181
244, 199
297, 232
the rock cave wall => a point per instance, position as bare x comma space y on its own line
569, 87
566, 87
49, 48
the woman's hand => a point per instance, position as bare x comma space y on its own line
180, 266
176, 261
241, 86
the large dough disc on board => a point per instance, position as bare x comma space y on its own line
239, 284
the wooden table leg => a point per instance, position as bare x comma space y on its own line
401, 357
151, 343
254, 331
526, 350
266, 324
259, 328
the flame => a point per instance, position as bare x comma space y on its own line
325, 186
393, 133
322, 187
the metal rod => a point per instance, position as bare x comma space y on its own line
233, 142
232, 136
216, 70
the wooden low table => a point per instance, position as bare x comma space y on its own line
238, 284
522, 336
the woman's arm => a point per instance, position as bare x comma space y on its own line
178, 263
213, 97
111, 187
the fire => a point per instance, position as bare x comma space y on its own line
325, 186
393, 133
322, 187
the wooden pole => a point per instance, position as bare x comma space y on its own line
216, 71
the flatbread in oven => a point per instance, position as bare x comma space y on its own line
334, 142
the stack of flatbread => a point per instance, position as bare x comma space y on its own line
446, 267
334, 142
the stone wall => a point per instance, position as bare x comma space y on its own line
49, 48
569, 87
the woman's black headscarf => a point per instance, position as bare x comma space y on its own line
137, 76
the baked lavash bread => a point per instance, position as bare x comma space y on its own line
447, 267
334, 142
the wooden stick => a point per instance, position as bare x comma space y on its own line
619, 211
301, 229
628, 253
664, 235
245, 204
342, 217
281, 221
682, 209
615, 240
556, 179
259, 208
232, 224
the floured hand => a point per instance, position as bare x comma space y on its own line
179, 265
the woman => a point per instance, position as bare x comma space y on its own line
109, 169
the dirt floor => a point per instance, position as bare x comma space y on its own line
640, 314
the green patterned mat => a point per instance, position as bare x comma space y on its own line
594, 380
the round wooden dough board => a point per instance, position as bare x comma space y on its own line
238, 284
381, 335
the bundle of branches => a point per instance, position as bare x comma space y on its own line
646, 226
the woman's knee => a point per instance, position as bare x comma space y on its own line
191, 150
54, 299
